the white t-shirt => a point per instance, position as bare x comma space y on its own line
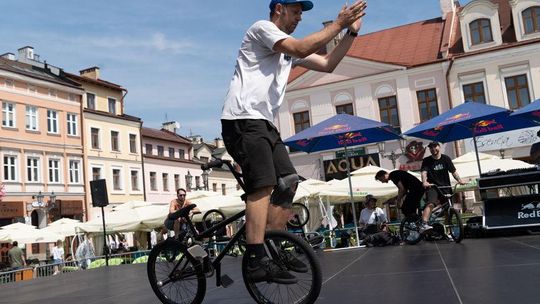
367, 216
58, 253
260, 77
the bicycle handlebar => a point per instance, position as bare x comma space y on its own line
214, 163
182, 212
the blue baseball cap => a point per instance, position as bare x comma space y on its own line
306, 5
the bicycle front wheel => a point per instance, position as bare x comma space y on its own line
408, 230
455, 225
281, 246
174, 275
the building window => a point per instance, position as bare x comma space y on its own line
517, 91
480, 31
90, 101
181, 154
204, 159
427, 104
32, 169
31, 118
94, 138
165, 177
132, 143
531, 19
171, 152
117, 183
8, 114
74, 171
135, 180
96, 173
8, 83
160, 151
10, 172
54, 171
153, 182
223, 189
474, 92
112, 105
214, 187
177, 181
148, 148
389, 111
52, 121
345, 109
114, 141
72, 124
301, 121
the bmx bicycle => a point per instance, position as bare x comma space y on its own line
444, 219
178, 267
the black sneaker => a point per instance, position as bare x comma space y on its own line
267, 270
292, 263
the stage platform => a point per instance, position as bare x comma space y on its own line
490, 270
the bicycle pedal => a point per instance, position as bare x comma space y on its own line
226, 281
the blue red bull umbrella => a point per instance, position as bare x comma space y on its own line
530, 112
470, 119
340, 131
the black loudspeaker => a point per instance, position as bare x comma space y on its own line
98, 188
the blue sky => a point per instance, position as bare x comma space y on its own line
175, 57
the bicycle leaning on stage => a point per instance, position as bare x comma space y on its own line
444, 219
178, 267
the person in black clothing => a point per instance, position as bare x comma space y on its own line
435, 171
410, 190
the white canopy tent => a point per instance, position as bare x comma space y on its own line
467, 168
64, 227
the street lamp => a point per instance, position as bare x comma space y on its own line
39, 198
501, 151
205, 179
393, 156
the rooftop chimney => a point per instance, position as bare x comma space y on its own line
9, 56
92, 73
171, 126
334, 42
447, 6
26, 53
219, 142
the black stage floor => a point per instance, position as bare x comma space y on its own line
490, 270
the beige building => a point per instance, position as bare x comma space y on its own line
112, 141
41, 148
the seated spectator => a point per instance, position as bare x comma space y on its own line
373, 225
372, 218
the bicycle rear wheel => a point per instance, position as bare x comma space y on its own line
455, 225
175, 276
308, 287
408, 230
300, 215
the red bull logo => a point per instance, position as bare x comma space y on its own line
487, 125
338, 128
303, 142
536, 113
431, 133
351, 138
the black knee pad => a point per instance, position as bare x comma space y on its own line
285, 190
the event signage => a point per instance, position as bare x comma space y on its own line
506, 140
11, 209
512, 211
337, 168
351, 152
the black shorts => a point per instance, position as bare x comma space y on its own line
432, 196
412, 202
255, 144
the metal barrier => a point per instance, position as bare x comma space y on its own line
46, 270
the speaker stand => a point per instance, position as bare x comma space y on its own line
105, 247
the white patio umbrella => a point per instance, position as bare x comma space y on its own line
27, 234
467, 169
64, 226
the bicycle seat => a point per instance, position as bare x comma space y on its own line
183, 212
